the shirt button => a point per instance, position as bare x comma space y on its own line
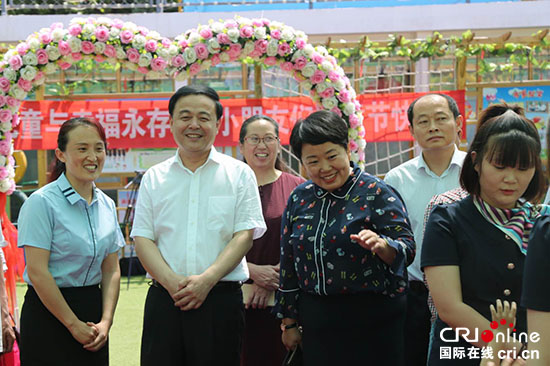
511, 266
507, 237
507, 292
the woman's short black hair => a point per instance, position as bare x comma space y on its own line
318, 128
195, 90
508, 140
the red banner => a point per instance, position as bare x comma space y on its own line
146, 123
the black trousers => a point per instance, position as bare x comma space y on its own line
210, 335
262, 345
46, 342
352, 330
417, 325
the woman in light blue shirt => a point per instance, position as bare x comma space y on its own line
70, 233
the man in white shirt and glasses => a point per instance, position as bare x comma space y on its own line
434, 122
196, 216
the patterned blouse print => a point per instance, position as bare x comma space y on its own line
317, 254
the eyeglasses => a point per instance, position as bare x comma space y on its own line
255, 140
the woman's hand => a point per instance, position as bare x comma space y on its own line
102, 328
266, 276
83, 332
370, 240
291, 338
259, 297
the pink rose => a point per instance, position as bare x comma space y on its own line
178, 61
16, 62
117, 23
39, 75
64, 65
255, 54
2, 100
75, 29
102, 34
300, 63
126, 36
183, 44
99, 58
327, 93
77, 56
337, 111
333, 76
45, 38
266, 21
257, 22
206, 33
194, 69
275, 33
353, 145
353, 121
26, 85
4, 84
270, 61
246, 31
63, 47
231, 24
201, 50
318, 77
317, 58
15, 122
166, 42
234, 51
287, 66
343, 96
298, 76
11, 189
158, 64
143, 70
260, 46
109, 51
57, 25
133, 55
88, 47
300, 43
283, 49
22, 48
215, 59
144, 31
5, 145
13, 102
223, 38
3, 173
42, 57
361, 155
151, 45
5, 116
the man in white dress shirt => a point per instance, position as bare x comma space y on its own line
435, 122
196, 216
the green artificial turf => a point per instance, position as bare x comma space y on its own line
125, 335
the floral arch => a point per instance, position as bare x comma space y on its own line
137, 48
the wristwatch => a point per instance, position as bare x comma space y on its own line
288, 326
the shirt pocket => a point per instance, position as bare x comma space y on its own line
221, 214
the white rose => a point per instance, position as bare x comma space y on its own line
349, 109
354, 156
276, 25
99, 47
120, 53
224, 57
321, 87
308, 50
216, 27
3, 160
34, 43
243, 20
182, 76
362, 143
260, 33
173, 50
28, 72
272, 47
10, 74
213, 45
233, 34
153, 75
5, 127
296, 55
163, 52
352, 133
58, 34
53, 52
50, 68
39, 81
5, 184
309, 69
306, 85
77, 20
153, 35
193, 38
326, 66
88, 29
172, 72
9, 54
321, 50
205, 65
17, 92
114, 32
138, 41
104, 21
190, 55
75, 44
130, 26
145, 59
248, 47
287, 34
329, 103
130, 66
300, 34
112, 61
339, 84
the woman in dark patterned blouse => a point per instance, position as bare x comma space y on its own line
259, 138
345, 246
